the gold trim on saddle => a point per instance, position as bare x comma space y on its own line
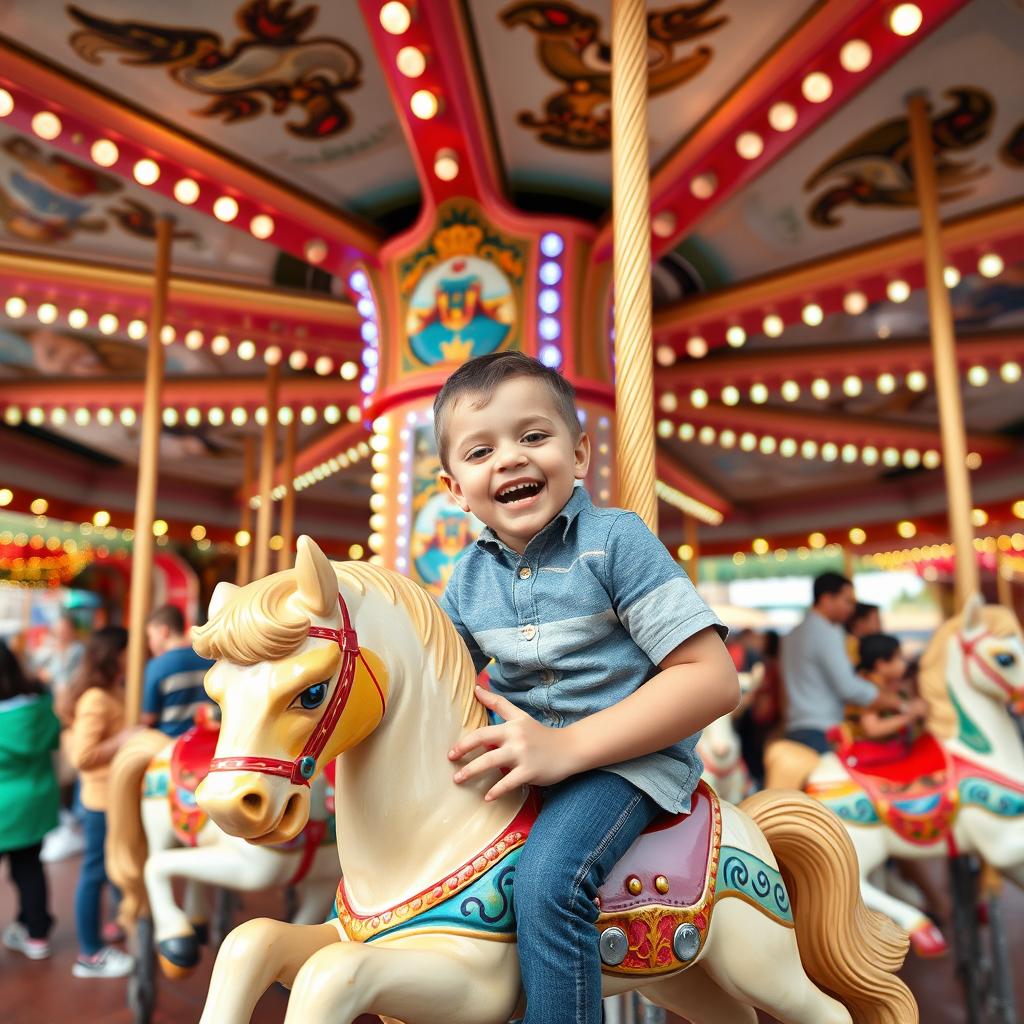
657, 937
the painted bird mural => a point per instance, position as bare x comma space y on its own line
875, 169
270, 66
571, 50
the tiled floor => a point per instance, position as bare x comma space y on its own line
44, 992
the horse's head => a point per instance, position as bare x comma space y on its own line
298, 682
992, 648
719, 747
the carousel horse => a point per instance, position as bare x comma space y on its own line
719, 748
165, 835
960, 789
710, 914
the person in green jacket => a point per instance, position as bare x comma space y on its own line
29, 733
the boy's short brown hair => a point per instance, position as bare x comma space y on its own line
480, 378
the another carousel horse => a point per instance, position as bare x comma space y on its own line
355, 660
166, 836
719, 748
961, 788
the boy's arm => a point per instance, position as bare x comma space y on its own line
881, 727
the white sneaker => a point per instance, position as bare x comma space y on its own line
62, 842
108, 963
16, 937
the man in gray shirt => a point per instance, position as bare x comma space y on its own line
816, 672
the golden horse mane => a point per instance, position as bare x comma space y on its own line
261, 623
942, 716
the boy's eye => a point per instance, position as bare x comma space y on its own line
535, 435
477, 453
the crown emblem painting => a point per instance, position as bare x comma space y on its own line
461, 291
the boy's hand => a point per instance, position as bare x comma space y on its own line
532, 753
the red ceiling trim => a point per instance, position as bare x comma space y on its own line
87, 115
827, 281
813, 47
670, 472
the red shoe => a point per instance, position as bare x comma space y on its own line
928, 941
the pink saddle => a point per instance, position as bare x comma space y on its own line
655, 906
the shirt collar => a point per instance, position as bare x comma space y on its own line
578, 501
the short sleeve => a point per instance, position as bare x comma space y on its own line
152, 702
652, 596
450, 606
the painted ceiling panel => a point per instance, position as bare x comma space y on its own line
547, 78
849, 183
293, 90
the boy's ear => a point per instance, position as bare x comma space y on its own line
454, 490
581, 457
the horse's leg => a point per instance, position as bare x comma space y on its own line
254, 956
693, 995
197, 905
756, 961
422, 979
168, 918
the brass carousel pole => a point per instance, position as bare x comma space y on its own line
1004, 581
265, 514
947, 377
634, 375
141, 593
243, 569
285, 556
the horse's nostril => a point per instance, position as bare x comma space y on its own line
253, 802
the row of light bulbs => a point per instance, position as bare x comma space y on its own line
105, 152
220, 344
855, 302
326, 469
816, 87
192, 416
790, 447
852, 385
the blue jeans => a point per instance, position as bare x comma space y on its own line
813, 738
585, 825
91, 879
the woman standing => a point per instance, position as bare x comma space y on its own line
95, 735
29, 733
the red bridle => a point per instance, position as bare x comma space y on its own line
302, 769
968, 648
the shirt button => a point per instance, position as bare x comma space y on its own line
525, 573
547, 676
529, 632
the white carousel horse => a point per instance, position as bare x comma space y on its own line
354, 660
154, 841
964, 793
719, 748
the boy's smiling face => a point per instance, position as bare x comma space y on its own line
513, 461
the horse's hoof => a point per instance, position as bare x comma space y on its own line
202, 932
928, 941
178, 956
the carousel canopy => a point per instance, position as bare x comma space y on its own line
293, 143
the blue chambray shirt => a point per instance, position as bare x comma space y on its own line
578, 622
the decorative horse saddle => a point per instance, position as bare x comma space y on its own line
655, 907
190, 763
916, 795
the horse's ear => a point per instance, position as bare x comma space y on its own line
221, 595
317, 583
972, 612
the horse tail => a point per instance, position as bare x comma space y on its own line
126, 847
845, 948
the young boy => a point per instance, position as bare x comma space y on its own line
606, 662
883, 735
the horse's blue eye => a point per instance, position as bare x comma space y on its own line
1005, 660
314, 696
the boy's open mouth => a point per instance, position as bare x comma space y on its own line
518, 492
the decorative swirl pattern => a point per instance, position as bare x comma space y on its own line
503, 890
990, 795
858, 811
744, 875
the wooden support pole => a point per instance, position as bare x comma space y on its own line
243, 569
268, 457
947, 377
1004, 581
634, 361
141, 593
690, 538
285, 557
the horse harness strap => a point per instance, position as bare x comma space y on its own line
303, 768
970, 654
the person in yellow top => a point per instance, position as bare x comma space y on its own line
96, 732
883, 734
